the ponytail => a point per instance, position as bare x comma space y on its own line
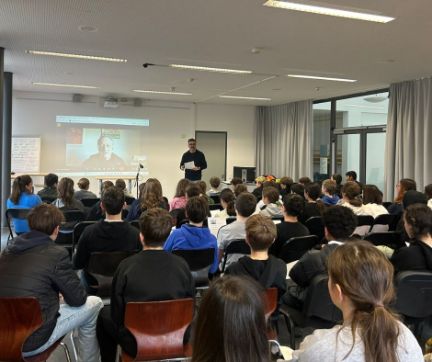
18, 187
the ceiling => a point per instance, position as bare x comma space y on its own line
217, 33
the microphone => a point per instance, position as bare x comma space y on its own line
141, 166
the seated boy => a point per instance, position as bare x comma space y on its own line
268, 270
214, 183
152, 274
193, 235
270, 197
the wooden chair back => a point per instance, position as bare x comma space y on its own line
158, 328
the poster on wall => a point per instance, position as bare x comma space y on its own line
26, 154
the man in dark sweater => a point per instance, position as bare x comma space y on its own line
34, 266
290, 227
152, 274
268, 270
111, 234
197, 157
49, 193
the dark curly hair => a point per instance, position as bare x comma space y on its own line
340, 221
293, 204
419, 217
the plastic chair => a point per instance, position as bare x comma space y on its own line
238, 246
65, 235
364, 223
200, 262
15, 214
215, 207
90, 202
215, 198
294, 248
382, 223
315, 226
78, 230
271, 304
158, 328
392, 239
318, 309
20, 317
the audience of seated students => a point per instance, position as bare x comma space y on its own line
338, 179
404, 185
214, 186
361, 286
290, 227
22, 197
328, 189
96, 213
150, 198
428, 193
304, 180
152, 274
203, 186
285, 185
49, 192
339, 224
179, 199
372, 201
239, 189
266, 269
34, 266
66, 199
121, 184
245, 205
193, 235
272, 204
259, 182
352, 176
227, 199
111, 234
83, 192
417, 220
351, 198
231, 323
313, 206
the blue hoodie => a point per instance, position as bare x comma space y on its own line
190, 237
330, 200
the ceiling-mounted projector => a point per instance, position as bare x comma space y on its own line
110, 103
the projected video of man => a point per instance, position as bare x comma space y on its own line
105, 158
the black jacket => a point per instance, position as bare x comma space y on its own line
417, 256
199, 160
33, 266
270, 273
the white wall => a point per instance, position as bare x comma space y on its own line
171, 124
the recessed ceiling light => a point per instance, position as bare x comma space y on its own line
288, 5
321, 78
64, 85
160, 92
210, 69
87, 28
76, 56
247, 98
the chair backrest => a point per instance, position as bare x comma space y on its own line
294, 248
159, 327
230, 219
271, 301
78, 230
73, 215
382, 223
386, 204
102, 266
238, 246
414, 294
16, 213
364, 224
199, 261
315, 226
48, 199
20, 317
215, 207
392, 239
215, 198
318, 303
90, 202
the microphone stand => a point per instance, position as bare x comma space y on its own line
136, 179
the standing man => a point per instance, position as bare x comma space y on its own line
198, 159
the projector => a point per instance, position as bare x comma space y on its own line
111, 103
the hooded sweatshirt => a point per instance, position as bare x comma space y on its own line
330, 200
417, 256
190, 237
270, 273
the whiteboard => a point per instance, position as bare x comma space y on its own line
26, 154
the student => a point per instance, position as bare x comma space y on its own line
297, 188
227, 198
428, 193
231, 323
83, 192
111, 234
267, 270
203, 186
285, 185
193, 235
328, 189
179, 200
259, 181
304, 180
214, 186
152, 274
351, 176
313, 206
351, 198
245, 206
290, 227
34, 266
338, 179
240, 188
121, 184
22, 197
49, 192
66, 199
372, 201
272, 205
404, 185
339, 224
96, 213
417, 220
361, 286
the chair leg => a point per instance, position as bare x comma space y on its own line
66, 351
73, 346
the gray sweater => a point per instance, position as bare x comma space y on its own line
326, 345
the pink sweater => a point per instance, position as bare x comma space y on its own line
178, 203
